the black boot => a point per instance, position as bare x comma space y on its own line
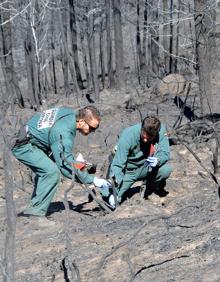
159, 189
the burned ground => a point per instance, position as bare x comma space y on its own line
171, 238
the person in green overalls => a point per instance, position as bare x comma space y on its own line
46, 148
142, 153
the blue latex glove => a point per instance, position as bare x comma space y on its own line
103, 184
152, 161
111, 201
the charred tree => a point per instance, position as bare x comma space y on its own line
138, 42
66, 50
143, 65
154, 38
176, 36
64, 54
109, 43
102, 52
31, 64
118, 37
85, 58
203, 27
6, 55
166, 37
74, 41
92, 53
171, 37
53, 62
8, 261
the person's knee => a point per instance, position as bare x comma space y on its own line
165, 171
54, 174
16, 153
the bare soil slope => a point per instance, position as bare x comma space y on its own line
171, 238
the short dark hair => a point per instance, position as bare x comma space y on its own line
151, 125
88, 113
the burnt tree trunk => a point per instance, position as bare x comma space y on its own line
138, 42
109, 43
85, 58
65, 49
171, 43
166, 38
74, 41
118, 36
154, 33
6, 56
203, 28
31, 65
64, 54
9, 250
171, 36
53, 62
143, 65
102, 52
175, 36
93, 64
177, 39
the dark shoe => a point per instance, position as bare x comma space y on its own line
160, 191
90, 198
146, 191
31, 212
22, 214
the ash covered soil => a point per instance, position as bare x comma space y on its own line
171, 238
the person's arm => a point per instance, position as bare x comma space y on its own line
61, 146
120, 159
163, 150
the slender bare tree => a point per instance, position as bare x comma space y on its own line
102, 50
66, 50
118, 38
6, 54
204, 24
74, 40
154, 37
92, 51
31, 64
109, 43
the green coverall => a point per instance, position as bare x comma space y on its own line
129, 163
51, 132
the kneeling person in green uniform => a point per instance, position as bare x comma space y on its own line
45, 145
142, 153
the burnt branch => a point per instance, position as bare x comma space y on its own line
68, 261
3, 270
157, 264
9, 252
120, 245
184, 108
98, 201
213, 177
215, 156
102, 262
128, 260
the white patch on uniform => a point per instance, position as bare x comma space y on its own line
47, 118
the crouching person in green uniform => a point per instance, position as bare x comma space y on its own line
45, 145
142, 153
